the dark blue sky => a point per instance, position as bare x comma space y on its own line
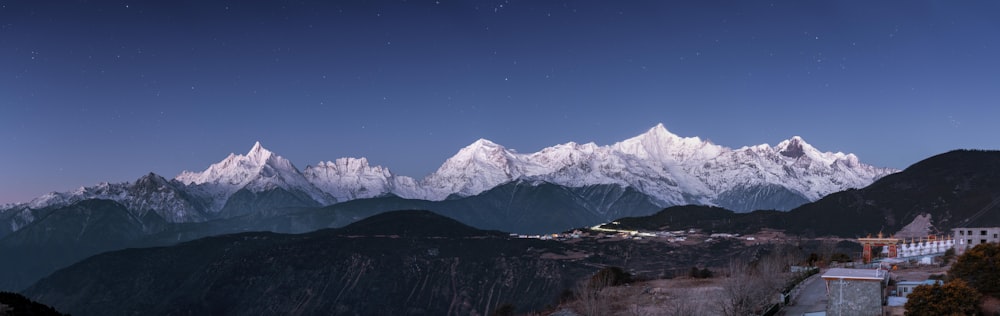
95, 91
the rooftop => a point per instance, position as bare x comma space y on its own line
860, 274
924, 282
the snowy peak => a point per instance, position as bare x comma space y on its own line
481, 153
259, 170
352, 178
238, 170
349, 165
151, 180
258, 154
656, 143
481, 146
478, 167
798, 149
659, 144
794, 147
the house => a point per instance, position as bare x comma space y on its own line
968, 237
855, 291
904, 288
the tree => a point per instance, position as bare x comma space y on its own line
591, 294
953, 298
703, 273
609, 276
948, 255
17, 304
688, 302
747, 287
840, 257
813, 258
980, 268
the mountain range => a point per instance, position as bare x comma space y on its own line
669, 169
417, 262
955, 189
484, 185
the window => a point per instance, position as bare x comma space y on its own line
970, 232
982, 232
994, 236
968, 241
961, 233
983, 241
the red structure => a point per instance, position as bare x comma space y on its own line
867, 243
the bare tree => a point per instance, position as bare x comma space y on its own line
750, 287
826, 250
591, 297
740, 291
594, 294
687, 303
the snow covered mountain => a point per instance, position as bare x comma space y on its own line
258, 171
150, 192
672, 170
353, 178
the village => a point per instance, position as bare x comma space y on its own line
877, 282
692, 235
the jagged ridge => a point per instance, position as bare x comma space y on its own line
672, 170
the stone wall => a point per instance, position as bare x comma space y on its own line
854, 297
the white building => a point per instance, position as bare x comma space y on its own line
904, 288
968, 237
924, 247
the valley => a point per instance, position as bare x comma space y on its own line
405, 262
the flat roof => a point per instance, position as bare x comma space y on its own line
924, 282
861, 274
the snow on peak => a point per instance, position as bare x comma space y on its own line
483, 144
794, 147
659, 144
482, 152
258, 153
476, 168
354, 178
797, 148
259, 170
670, 168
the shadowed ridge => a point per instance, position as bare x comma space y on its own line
413, 223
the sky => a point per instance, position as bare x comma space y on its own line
94, 91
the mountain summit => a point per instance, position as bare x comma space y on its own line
659, 144
476, 168
259, 170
